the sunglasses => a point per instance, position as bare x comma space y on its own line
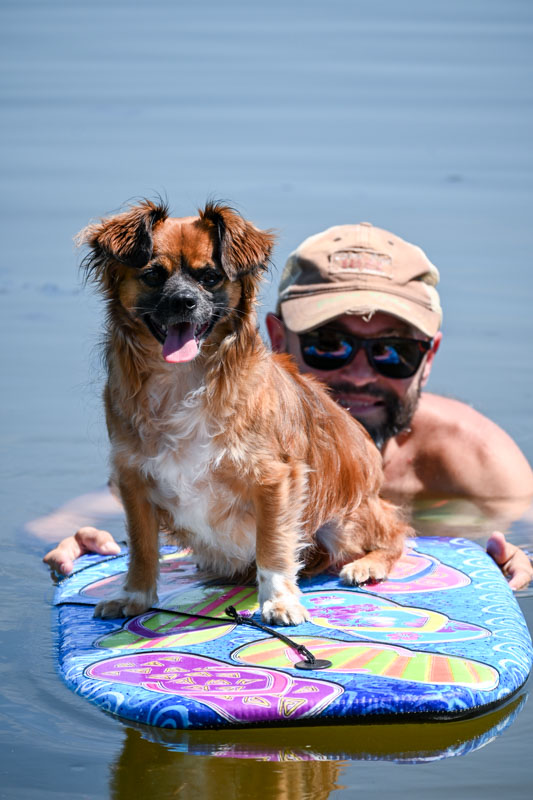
390, 356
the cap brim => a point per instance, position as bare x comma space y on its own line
302, 314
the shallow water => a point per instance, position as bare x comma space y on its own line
416, 116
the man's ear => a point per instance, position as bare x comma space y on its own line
428, 363
125, 238
277, 333
243, 248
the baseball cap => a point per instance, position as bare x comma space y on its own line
359, 269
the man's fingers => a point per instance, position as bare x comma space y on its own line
61, 558
93, 540
514, 563
521, 574
518, 569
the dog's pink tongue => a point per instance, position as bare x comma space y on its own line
180, 344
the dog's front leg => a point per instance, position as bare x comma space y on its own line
278, 515
139, 592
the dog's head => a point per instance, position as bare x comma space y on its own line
180, 277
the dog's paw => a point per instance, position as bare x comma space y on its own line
129, 604
368, 568
287, 611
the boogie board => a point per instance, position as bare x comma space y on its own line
442, 638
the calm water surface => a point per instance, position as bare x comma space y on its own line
416, 116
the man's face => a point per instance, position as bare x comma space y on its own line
384, 406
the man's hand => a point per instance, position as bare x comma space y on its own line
86, 540
513, 562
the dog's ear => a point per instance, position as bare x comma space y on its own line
126, 238
244, 249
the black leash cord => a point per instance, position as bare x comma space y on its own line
309, 662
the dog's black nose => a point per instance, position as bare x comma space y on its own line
183, 303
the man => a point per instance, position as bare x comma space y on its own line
358, 308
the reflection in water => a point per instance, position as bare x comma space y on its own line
310, 760
146, 770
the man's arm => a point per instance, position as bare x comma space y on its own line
91, 509
514, 563
100, 506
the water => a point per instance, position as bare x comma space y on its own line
416, 116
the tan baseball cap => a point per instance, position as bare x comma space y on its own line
359, 269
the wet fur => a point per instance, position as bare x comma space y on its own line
236, 454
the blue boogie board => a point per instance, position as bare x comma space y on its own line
442, 638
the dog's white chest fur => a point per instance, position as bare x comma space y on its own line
183, 474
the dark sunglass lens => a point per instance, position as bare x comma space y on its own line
325, 350
396, 359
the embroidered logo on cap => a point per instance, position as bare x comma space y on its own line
363, 262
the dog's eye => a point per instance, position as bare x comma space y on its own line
154, 277
210, 277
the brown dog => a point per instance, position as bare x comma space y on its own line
213, 438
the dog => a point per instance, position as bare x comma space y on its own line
214, 439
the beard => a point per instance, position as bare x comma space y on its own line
398, 412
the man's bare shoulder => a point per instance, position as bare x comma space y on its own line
452, 415
473, 455
452, 418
